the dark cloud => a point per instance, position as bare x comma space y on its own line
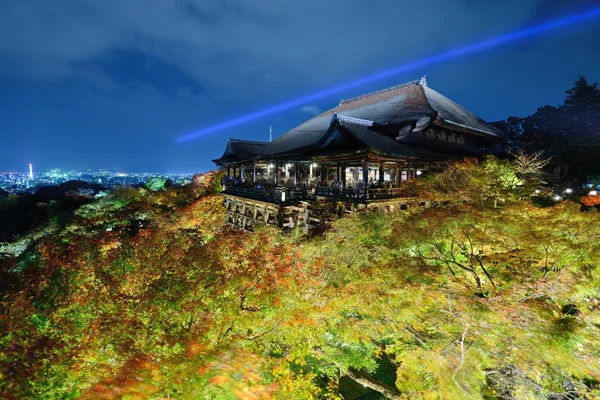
105, 75
132, 68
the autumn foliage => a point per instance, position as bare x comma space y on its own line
591, 200
148, 295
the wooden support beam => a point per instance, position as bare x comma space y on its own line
365, 178
381, 172
343, 180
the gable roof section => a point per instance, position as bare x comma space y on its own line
238, 149
399, 106
455, 114
388, 110
402, 105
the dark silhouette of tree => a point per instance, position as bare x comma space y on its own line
570, 132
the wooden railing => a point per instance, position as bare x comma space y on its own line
384, 193
342, 193
271, 194
359, 193
286, 194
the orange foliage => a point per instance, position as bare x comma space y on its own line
591, 200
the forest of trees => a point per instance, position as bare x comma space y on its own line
492, 293
569, 132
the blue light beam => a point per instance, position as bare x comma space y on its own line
447, 55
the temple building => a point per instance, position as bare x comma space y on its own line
359, 152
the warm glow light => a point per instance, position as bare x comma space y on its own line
419, 172
557, 198
568, 190
418, 64
537, 191
593, 193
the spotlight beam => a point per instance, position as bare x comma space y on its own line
444, 56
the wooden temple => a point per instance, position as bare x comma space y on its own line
358, 154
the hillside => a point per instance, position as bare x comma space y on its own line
148, 295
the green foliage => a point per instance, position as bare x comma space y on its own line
465, 301
156, 183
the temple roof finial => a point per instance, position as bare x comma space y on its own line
423, 81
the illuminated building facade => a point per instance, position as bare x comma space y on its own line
360, 151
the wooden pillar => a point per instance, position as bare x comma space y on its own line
253, 171
286, 174
381, 172
268, 172
365, 178
295, 173
229, 170
343, 170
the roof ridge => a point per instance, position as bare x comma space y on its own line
380, 91
247, 141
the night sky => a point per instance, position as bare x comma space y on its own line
113, 83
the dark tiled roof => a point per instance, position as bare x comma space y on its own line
403, 105
396, 107
238, 149
380, 143
456, 114
388, 146
389, 110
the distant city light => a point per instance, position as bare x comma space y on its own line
15, 182
569, 191
593, 193
558, 198
443, 56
